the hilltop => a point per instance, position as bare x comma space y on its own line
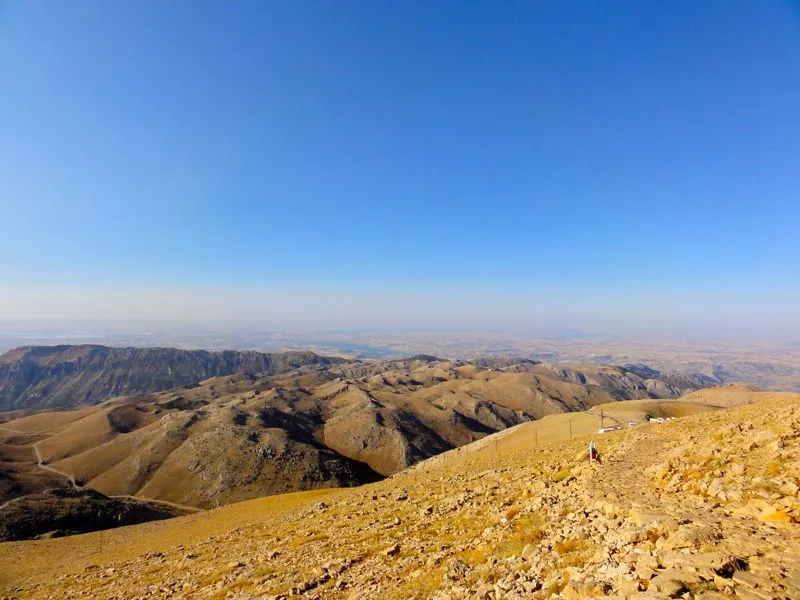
230, 438
705, 506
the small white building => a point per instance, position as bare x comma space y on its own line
607, 429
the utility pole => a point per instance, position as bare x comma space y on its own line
570, 429
100, 517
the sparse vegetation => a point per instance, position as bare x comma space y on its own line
460, 522
570, 546
528, 529
308, 539
183, 444
561, 474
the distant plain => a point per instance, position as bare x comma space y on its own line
769, 364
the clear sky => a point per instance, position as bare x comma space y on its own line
589, 163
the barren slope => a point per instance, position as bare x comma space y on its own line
702, 507
243, 436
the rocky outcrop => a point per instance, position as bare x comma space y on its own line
681, 381
632, 381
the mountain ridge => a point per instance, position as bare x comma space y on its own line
239, 436
64, 376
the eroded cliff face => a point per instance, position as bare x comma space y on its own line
46, 377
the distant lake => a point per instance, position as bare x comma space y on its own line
351, 347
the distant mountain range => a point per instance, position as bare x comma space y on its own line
37, 377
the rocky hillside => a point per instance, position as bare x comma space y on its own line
50, 377
42, 377
243, 436
703, 507
681, 381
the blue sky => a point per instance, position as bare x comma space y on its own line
603, 156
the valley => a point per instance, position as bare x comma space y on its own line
326, 423
417, 477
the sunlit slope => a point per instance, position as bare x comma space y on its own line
38, 560
235, 437
506, 515
731, 395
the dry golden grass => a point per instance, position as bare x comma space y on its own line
526, 530
508, 465
561, 474
36, 560
308, 539
569, 546
49, 421
421, 585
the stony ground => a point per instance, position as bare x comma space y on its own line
702, 507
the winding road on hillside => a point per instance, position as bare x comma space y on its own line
192, 509
42, 464
17, 431
71, 478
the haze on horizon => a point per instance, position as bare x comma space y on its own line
615, 166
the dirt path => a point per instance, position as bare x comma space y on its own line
18, 432
41, 464
71, 478
623, 472
626, 475
192, 509
690, 523
2, 506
